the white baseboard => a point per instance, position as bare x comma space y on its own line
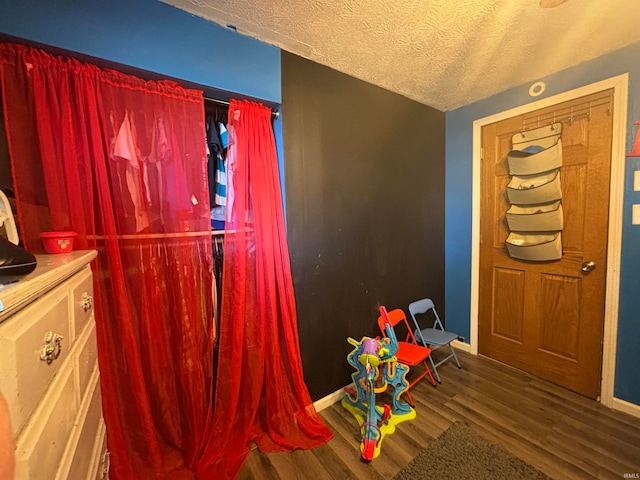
465, 347
330, 399
626, 407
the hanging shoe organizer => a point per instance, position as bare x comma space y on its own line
535, 217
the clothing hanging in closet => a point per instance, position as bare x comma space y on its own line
218, 259
217, 141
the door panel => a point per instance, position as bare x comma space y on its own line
559, 331
547, 317
508, 312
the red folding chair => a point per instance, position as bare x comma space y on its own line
409, 352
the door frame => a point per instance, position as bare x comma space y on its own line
620, 86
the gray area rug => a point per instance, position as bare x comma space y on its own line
460, 453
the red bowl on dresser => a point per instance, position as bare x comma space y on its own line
58, 242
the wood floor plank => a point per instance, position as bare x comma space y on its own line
602, 443
600, 464
331, 461
285, 464
259, 466
346, 453
347, 424
308, 462
557, 431
587, 411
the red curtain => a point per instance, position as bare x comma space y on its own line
122, 162
260, 393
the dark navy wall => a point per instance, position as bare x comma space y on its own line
365, 186
150, 35
459, 125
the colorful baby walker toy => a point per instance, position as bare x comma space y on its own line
376, 369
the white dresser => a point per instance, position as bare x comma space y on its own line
49, 371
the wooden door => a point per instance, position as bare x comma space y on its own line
547, 317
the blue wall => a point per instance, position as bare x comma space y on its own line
153, 36
459, 124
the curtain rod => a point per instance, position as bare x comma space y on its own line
275, 113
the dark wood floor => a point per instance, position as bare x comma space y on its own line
565, 435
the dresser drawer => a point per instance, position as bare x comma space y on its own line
42, 443
82, 300
79, 455
24, 377
85, 357
101, 458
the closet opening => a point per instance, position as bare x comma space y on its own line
216, 107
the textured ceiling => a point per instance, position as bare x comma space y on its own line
443, 53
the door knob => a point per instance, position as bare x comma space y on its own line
588, 266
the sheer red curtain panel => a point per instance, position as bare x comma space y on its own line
122, 162
260, 393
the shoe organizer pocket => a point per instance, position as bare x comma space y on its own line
535, 218
534, 189
535, 247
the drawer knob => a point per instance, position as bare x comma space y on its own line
105, 464
51, 348
87, 301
